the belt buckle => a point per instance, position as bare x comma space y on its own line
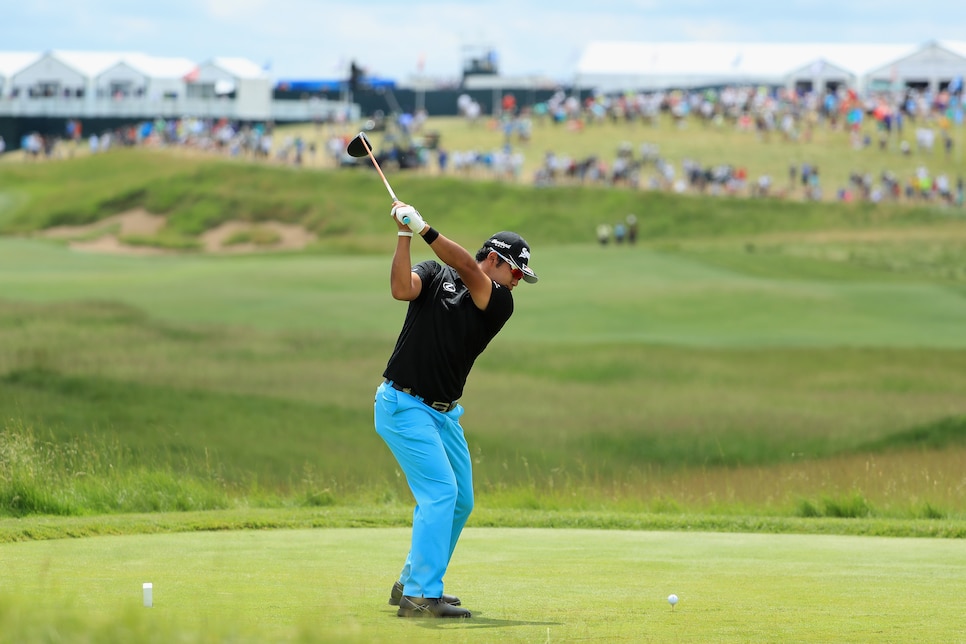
441, 406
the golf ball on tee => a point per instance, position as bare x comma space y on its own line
672, 599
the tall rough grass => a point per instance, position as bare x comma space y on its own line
92, 475
96, 475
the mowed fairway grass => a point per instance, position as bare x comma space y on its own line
759, 407
525, 585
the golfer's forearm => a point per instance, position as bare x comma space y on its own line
401, 272
452, 254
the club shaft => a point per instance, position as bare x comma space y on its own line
375, 164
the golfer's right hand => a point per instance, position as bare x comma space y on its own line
408, 217
396, 205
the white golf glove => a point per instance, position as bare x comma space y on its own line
409, 216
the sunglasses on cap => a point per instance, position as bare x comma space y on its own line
515, 272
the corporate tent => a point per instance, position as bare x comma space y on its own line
98, 76
143, 76
130, 85
935, 66
820, 76
239, 80
62, 74
650, 66
841, 66
12, 62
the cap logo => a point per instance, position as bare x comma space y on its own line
513, 249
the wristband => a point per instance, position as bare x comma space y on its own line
405, 233
431, 235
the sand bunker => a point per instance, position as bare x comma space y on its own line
105, 235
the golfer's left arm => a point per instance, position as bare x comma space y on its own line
448, 251
405, 285
451, 253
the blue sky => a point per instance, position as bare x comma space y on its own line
391, 38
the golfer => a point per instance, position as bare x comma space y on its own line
456, 306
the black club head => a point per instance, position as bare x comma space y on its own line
359, 146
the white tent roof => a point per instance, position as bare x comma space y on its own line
955, 46
238, 67
94, 63
89, 63
12, 62
728, 61
160, 67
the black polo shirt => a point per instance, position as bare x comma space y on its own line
443, 333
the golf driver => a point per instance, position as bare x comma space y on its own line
359, 147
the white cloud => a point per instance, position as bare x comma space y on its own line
317, 38
235, 10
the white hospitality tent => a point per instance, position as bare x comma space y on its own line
821, 75
63, 74
56, 82
248, 84
649, 66
140, 75
12, 62
838, 65
934, 66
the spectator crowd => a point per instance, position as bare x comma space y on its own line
915, 123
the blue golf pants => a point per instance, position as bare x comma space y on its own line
431, 450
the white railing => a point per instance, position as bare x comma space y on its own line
137, 108
310, 110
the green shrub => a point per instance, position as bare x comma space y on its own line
849, 507
257, 235
808, 510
